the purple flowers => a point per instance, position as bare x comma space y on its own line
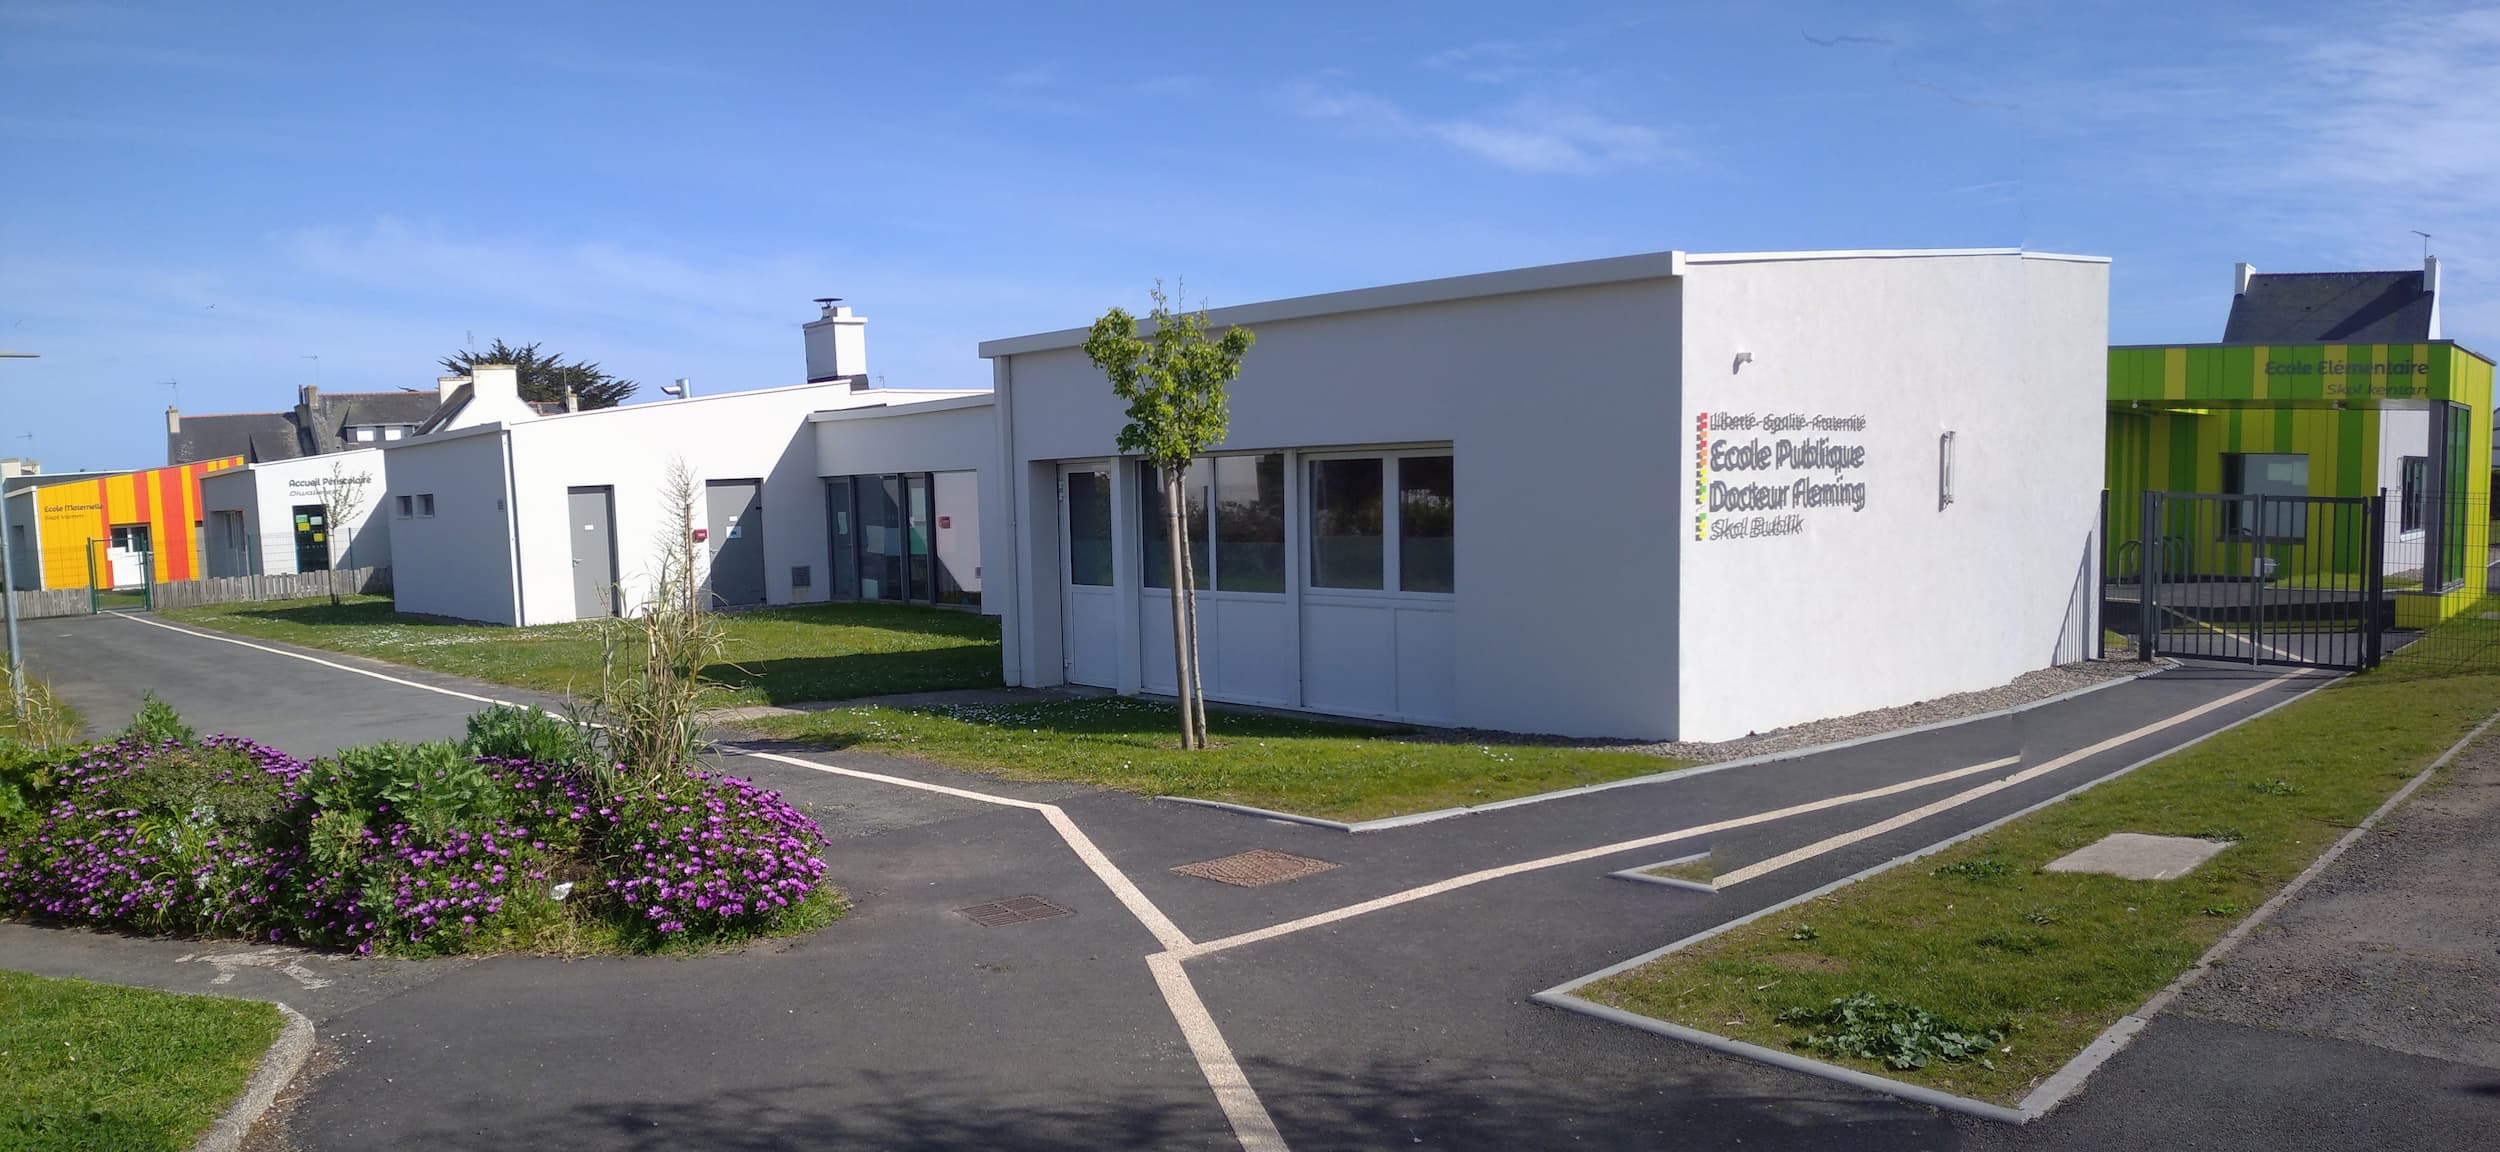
729, 855
225, 837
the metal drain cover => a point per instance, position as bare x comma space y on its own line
1014, 910
1255, 868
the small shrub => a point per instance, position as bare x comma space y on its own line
156, 722
1902, 1036
1805, 932
1981, 868
431, 787
507, 732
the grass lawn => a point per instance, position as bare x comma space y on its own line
1980, 937
775, 656
1311, 767
92, 1066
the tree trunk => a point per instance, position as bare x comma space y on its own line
1197, 687
1180, 623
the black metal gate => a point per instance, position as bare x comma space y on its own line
2259, 579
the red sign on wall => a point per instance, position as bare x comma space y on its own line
946, 521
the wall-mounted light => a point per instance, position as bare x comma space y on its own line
1742, 359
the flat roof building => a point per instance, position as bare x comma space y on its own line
1663, 496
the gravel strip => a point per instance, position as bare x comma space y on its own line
2027, 688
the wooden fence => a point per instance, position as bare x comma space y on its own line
275, 586
37, 603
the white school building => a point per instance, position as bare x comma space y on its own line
271, 518
540, 519
1665, 496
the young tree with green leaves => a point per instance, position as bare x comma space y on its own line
1175, 379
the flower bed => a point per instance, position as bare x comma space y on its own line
405, 849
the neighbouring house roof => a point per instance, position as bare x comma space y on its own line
2332, 308
315, 426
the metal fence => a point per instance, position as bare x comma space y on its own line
2333, 582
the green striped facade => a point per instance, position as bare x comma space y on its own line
2176, 411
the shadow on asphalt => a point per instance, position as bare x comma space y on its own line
1444, 1104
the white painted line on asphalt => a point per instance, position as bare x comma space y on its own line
387, 679
1831, 844
1392, 900
1252, 1125
1165, 931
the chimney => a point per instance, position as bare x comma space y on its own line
2430, 288
572, 399
2240, 275
495, 382
837, 342
173, 420
444, 386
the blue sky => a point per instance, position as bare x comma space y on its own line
196, 194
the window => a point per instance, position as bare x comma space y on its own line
407, 507
2274, 474
2416, 471
1154, 535
1427, 522
131, 537
1250, 523
425, 504
396, 431
1089, 528
1346, 523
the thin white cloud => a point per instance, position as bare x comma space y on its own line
1532, 134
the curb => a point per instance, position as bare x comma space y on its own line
2070, 1076
278, 1066
1387, 822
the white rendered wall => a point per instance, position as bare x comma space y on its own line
956, 435
1902, 601
2401, 433
760, 434
267, 494
457, 562
1558, 406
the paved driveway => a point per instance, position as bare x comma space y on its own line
1380, 1004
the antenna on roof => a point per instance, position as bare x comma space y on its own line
176, 385
2426, 242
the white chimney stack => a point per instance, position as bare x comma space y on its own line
2430, 284
2240, 275
837, 343
444, 386
173, 420
495, 383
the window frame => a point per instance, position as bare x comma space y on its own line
1392, 516
2413, 480
2236, 512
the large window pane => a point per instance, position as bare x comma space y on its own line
2276, 474
1345, 523
1426, 519
1155, 535
844, 532
1250, 523
1089, 528
916, 542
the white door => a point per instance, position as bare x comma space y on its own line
128, 554
1088, 603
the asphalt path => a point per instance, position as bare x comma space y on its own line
907, 1026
